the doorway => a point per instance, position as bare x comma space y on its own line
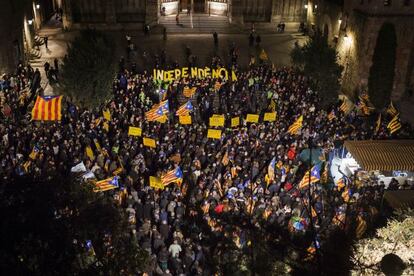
199, 6
184, 5
382, 71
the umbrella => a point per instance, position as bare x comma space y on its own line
315, 153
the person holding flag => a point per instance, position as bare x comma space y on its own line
271, 170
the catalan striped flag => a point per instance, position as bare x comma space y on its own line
346, 194
272, 106
325, 173
312, 249
364, 105
331, 115
185, 109
175, 175
47, 108
312, 178
165, 107
392, 110
271, 169
294, 128
34, 153
155, 113
378, 124
341, 183
189, 92
346, 107
395, 124
107, 184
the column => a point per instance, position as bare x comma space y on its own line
67, 19
151, 12
237, 12
110, 12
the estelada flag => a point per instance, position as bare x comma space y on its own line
185, 109
107, 184
263, 55
294, 128
175, 175
47, 108
312, 178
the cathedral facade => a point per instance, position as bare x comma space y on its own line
113, 12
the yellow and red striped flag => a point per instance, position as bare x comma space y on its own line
47, 108
313, 177
185, 109
189, 92
107, 184
155, 113
346, 107
331, 115
158, 111
392, 110
175, 175
394, 125
378, 124
294, 128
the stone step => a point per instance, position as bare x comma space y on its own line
200, 23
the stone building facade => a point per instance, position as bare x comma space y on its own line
353, 27
117, 12
19, 21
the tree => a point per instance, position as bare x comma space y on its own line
319, 61
382, 71
390, 250
88, 69
46, 225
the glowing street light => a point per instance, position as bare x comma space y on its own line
306, 6
348, 40
30, 21
37, 6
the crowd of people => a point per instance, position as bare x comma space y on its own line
226, 183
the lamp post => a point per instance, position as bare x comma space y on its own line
348, 44
191, 13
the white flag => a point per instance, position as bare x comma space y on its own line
78, 168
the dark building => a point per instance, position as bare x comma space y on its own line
354, 27
115, 12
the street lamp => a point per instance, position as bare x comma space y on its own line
37, 6
306, 6
348, 40
30, 21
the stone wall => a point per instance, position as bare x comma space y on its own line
404, 51
11, 28
355, 37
